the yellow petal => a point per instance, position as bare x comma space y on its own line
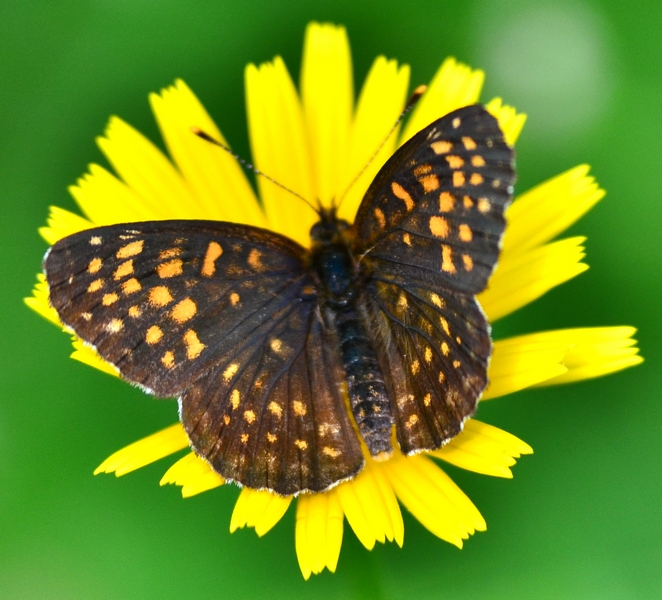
371, 507
279, 147
192, 473
39, 301
510, 121
327, 93
146, 171
260, 509
484, 449
454, 85
145, 451
432, 497
523, 361
594, 351
219, 189
91, 358
543, 212
61, 223
380, 104
523, 277
319, 529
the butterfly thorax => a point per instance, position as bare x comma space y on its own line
340, 281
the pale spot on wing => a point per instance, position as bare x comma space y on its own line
154, 335
469, 144
454, 162
441, 147
456, 363
447, 259
231, 371
442, 377
271, 437
484, 205
333, 453
130, 250
135, 312
126, 268
402, 301
444, 325
428, 354
406, 238
427, 400
249, 417
436, 300
255, 259
466, 235
95, 286
131, 286
456, 122
159, 296
193, 345
169, 253
411, 421
276, 345
429, 182
214, 250
168, 359
458, 178
403, 194
439, 227
415, 366
86, 316
95, 240
275, 409
446, 202
299, 408
381, 219
109, 299
235, 399
244, 438
301, 444
94, 266
184, 310
172, 268
445, 349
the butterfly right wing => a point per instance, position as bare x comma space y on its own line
225, 317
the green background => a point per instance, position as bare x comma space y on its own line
582, 517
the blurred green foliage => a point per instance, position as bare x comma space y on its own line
580, 520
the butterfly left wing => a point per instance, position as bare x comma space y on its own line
225, 317
428, 236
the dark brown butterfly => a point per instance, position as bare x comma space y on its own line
283, 357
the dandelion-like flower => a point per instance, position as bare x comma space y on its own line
315, 143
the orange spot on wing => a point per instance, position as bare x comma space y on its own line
458, 178
469, 144
454, 162
446, 202
172, 268
439, 226
160, 296
403, 194
214, 250
184, 310
466, 235
441, 147
447, 259
130, 249
193, 345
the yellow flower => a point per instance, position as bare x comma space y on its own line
314, 143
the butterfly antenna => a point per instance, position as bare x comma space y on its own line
413, 99
205, 136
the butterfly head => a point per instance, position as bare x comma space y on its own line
329, 230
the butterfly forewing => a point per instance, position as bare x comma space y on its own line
223, 316
434, 213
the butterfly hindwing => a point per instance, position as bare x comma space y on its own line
186, 308
434, 213
434, 355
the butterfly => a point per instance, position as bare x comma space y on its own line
287, 360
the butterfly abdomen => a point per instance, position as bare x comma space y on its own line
341, 285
